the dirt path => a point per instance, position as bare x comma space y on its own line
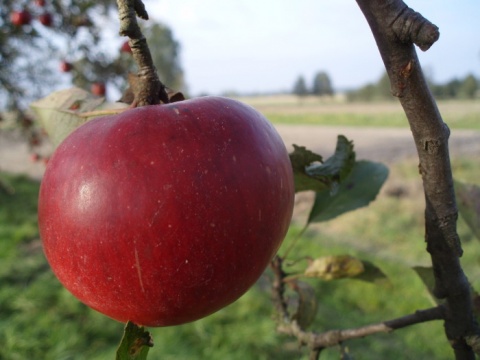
378, 144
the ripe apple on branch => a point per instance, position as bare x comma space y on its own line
164, 214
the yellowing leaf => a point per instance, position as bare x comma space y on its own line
335, 267
63, 111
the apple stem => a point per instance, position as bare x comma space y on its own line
150, 90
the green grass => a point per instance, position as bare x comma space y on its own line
454, 121
312, 111
39, 319
343, 119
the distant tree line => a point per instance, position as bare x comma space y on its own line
321, 85
466, 88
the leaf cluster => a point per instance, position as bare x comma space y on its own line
342, 184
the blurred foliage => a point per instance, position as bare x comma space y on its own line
378, 91
466, 88
81, 33
166, 55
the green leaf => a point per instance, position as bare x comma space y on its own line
300, 158
372, 274
426, 274
428, 278
468, 202
307, 303
135, 344
63, 111
312, 174
339, 165
358, 189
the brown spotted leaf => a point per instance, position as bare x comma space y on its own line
135, 344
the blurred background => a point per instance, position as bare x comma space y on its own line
245, 48
250, 47
312, 68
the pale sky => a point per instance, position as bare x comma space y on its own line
264, 45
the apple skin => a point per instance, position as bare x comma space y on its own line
164, 214
20, 18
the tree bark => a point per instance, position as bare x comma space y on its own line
150, 90
396, 29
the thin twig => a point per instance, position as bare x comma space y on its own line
318, 341
335, 337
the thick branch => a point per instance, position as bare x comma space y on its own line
151, 90
395, 28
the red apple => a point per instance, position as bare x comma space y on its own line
45, 19
165, 214
65, 66
34, 157
20, 18
126, 48
98, 88
40, 3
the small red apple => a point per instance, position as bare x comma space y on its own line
164, 214
46, 19
40, 3
35, 157
98, 88
20, 18
65, 66
126, 48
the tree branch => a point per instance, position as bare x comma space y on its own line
395, 28
151, 90
318, 341
336, 337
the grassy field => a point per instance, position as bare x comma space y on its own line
289, 109
39, 319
